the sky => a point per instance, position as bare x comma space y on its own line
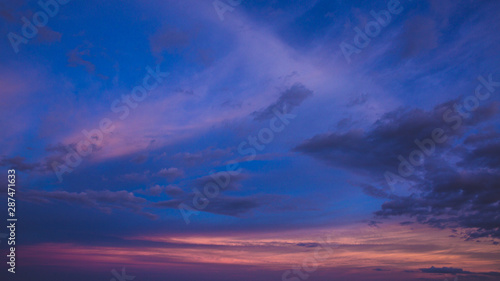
251, 140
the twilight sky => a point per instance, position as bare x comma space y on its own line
252, 140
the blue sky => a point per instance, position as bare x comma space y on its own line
221, 84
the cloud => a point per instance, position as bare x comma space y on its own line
173, 190
103, 200
374, 191
288, 100
452, 270
76, 58
456, 186
443, 270
222, 205
308, 245
158, 190
170, 173
48, 35
358, 100
138, 177
209, 154
419, 34
234, 181
380, 269
169, 39
19, 163
450, 198
374, 223
234, 206
375, 149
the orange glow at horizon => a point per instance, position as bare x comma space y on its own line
391, 246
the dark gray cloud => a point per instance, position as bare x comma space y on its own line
377, 149
19, 163
450, 196
308, 245
287, 101
358, 100
233, 180
380, 269
103, 200
375, 192
443, 270
234, 206
455, 271
344, 122
222, 205
374, 223
173, 191
456, 186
